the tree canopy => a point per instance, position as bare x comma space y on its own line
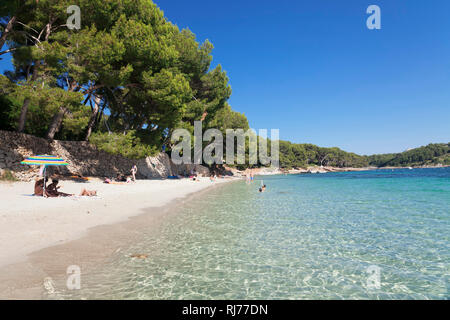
128, 69
302, 155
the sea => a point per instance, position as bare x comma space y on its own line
382, 234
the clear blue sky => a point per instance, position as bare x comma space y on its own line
312, 69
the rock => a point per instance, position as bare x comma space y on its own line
84, 159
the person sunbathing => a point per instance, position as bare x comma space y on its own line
39, 187
110, 181
52, 190
121, 178
88, 193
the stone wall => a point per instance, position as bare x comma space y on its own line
84, 159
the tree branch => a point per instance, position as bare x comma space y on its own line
7, 31
6, 51
23, 24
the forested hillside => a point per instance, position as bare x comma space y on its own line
303, 155
432, 154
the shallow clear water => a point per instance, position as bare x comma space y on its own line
308, 237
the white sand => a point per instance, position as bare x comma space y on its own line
29, 223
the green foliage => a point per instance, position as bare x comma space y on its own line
74, 124
7, 176
226, 118
127, 59
303, 155
7, 104
445, 160
45, 102
432, 154
127, 145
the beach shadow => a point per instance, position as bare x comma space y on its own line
77, 179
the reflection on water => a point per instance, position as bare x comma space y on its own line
307, 237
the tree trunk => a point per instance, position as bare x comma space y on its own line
93, 117
56, 123
23, 115
7, 31
99, 117
26, 102
58, 118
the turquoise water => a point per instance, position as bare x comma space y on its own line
308, 237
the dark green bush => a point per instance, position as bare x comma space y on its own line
127, 145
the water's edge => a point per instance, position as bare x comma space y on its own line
29, 279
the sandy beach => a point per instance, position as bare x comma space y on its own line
29, 224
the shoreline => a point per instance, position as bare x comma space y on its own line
82, 231
325, 169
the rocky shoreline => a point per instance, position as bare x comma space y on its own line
325, 169
84, 159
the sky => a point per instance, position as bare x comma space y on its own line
313, 70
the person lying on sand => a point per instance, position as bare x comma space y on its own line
109, 181
121, 178
88, 193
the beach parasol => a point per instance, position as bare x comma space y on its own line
45, 161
